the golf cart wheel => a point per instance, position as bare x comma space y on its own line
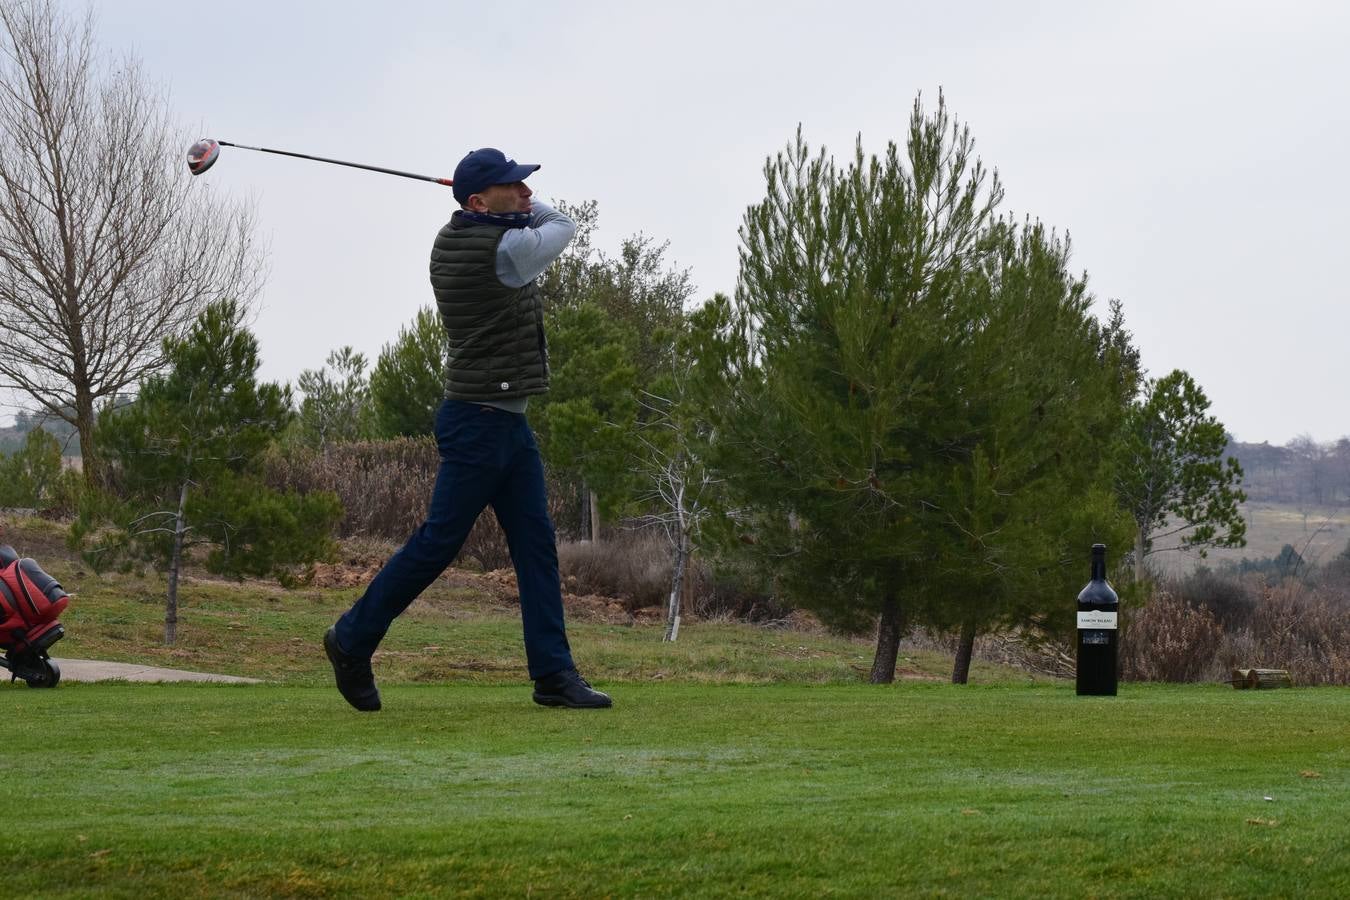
48, 676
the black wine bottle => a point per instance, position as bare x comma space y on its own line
1098, 631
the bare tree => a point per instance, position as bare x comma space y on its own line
678, 487
1314, 474
106, 246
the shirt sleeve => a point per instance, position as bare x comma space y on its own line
524, 253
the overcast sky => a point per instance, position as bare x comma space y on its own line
1194, 151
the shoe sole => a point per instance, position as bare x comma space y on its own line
335, 662
547, 700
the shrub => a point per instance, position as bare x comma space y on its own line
1168, 640
1288, 563
730, 592
1306, 631
1336, 573
634, 566
384, 487
1223, 596
1209, 626
32, 477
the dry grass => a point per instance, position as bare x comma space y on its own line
1305, 630
1317, 534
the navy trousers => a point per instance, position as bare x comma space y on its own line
488, 456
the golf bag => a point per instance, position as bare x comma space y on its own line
30, 601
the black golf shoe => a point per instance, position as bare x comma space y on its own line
568, 688
355, 681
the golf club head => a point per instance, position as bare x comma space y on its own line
202, 155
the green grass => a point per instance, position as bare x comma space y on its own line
681, 790
741, 761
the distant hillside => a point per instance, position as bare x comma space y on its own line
1317, 535
13, 437
1298, 495
1303, 472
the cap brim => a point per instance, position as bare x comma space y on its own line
519, 173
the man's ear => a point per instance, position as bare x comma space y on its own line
476, 204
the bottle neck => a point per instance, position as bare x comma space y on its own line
1099, 563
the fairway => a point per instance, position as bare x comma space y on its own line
682, 790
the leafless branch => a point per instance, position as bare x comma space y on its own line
106, 246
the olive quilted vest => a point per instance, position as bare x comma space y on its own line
497, 346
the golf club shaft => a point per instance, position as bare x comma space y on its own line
337, 162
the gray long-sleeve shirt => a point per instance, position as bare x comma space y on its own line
524, 253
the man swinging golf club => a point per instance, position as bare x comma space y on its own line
484, 267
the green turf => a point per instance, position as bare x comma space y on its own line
741, 760
681, 790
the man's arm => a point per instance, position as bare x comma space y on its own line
524, 253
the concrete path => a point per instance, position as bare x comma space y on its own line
93, 670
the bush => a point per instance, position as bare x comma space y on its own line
634, 566
1288, 563
1206, 626
1303, 630
731, 592
1337, 571
384, 487
1226, 598
1169, 640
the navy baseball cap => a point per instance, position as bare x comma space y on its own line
483, 168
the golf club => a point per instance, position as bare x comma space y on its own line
203, 154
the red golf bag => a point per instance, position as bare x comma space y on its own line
30, 601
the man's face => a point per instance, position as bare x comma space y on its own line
502, 198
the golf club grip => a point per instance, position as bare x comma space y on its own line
337, 162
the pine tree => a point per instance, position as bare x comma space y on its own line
843, 352
1029, 490
337, 406
29, 477
187, 458
914, 402
585, 423
1171, 472
407, 384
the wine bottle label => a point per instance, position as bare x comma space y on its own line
1095, 619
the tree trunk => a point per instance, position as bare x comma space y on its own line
175, 563
595, 517
1261, 678
889, 630
965, 648
1140, 572
84, 425
687, 594
677, 589
584, 525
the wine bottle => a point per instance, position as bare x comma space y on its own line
1098, 631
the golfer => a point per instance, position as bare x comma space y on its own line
484, 267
